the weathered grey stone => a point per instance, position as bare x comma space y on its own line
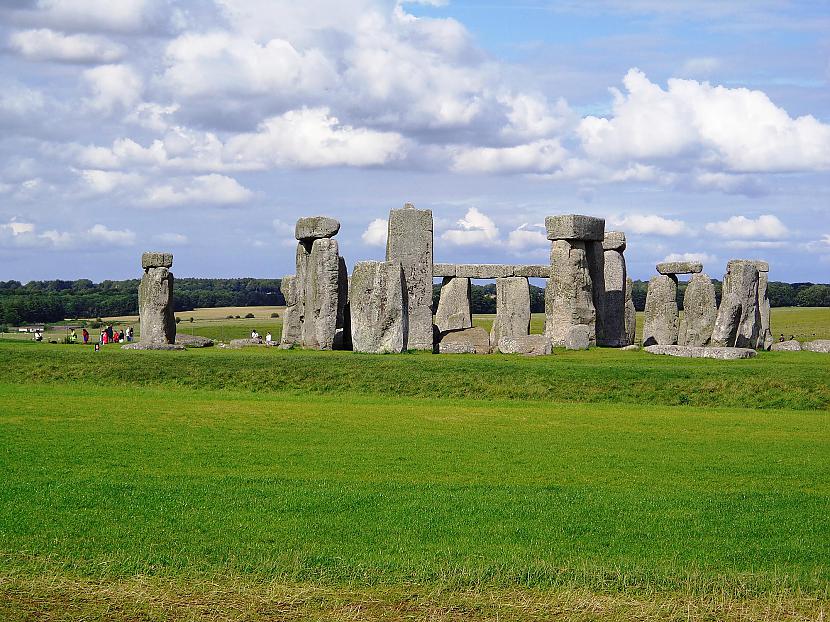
193, 341
679, 267
763, 266
764, 333
247, 342
291, 324
409, 241
596, 270
791, 345
155, 307
817, 345
313, 228
512, 309
532, 271
578, 338
303, 256
699, 312
322, 287
153, 346
575, 227
377, 298
613, 333
529, 345
707, 352
443, 269
630, 313
458, 341
739, 319
660, 322
569, 293
453, 311
484, 271
614, 241
156, 260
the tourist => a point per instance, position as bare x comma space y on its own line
97, 347
104, 337
38, 336
129, 333
109, 333
85, 335
268, 337
121, 336
254, 334
73, 336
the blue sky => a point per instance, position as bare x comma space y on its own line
701, 129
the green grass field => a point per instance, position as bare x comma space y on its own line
264, 484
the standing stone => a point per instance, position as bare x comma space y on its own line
322, 286
155, 300
611, 329
578, 338
630, 313
765, 339
409, 241
453, 311
699, 311
377, 296
291, 326
569, 293
660, 324
512, 309
739, 320
596, 269
303, 256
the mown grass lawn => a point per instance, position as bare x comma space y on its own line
267, 484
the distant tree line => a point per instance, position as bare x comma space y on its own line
52, 301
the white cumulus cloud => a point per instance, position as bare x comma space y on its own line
767, 226
650, 224
474, 228
114, 237
113, 87
375, 233
527, 236
211, 189
43, 44
703, 258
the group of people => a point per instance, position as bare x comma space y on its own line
111, 335
268, 338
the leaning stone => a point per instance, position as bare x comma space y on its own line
193, 341
476, 338
532, 271
679, 267
378, 307
578, 338
739, 319
569, 293
155, 307
613, 309
453, 311
156, 260
614, 241
153, 346
699, 311
818, 345
443, 269
316, 227
409, 241
484, 271
630, 313
322, 289
529, 345
661, 317
512, 309
791, 345
708, 352
575, 227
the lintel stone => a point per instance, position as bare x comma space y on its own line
614, 241
679, 267
575, 227
316, 227
443, 269
156, 260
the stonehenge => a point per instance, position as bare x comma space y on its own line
630, 313
453, 312
379, 309
706, 352
699, 311
738, 322
611, 315
155, 300
512, 309
661, 317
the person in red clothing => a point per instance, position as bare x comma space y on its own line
85, 335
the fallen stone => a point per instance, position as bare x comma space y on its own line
460, 347
153, 346
528, 345
679, 267
569, 294
630, 313
322, 287
313, 228
512, 309
193, 341
156, 260
575, 227
409, 241
818, 345
707, 352
699, 311
378, 307
443, 269
739, 319
578, 338
791, 345
244, 343
453, 311
614, 241
155, 307
484, 271
475, 338
661, 317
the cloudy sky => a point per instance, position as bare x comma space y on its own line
206, 127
